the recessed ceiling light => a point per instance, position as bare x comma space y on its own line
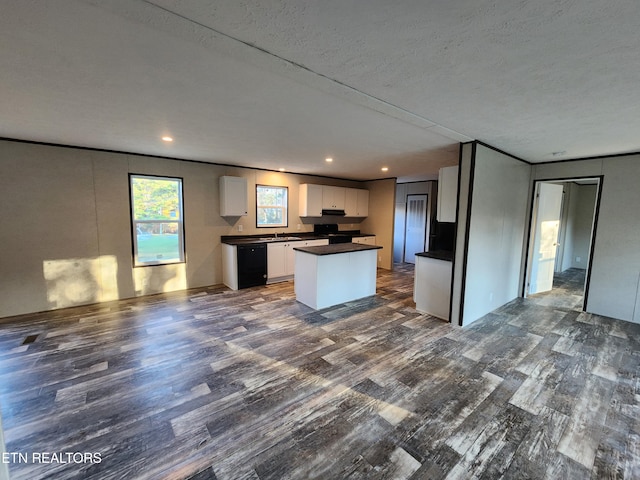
385, 169
167, 138
281, 169
328, 159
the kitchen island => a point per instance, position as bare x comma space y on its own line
332, 274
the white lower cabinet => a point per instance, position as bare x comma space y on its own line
277, 254
313, 243
229, 266
432, 286
371, 240
281, 258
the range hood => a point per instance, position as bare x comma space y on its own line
334, 212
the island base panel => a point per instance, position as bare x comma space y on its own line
322, 281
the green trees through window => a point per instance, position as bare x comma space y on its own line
156, 216
271, 206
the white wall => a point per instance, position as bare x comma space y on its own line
579, 205
66, 232
499, 210
382, 194
615, 274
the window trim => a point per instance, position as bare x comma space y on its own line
285, 215
181, 222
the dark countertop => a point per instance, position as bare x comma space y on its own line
265, 239
337, 248
287, 237
438, 255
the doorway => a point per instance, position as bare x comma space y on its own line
561, 239
415, 236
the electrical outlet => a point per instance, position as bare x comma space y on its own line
239, 228
578, 259
298, 226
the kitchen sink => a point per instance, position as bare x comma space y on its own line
276, 239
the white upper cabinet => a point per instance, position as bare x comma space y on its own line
447, 194
315, 198
310, 200
233, 196
356, 202
333, 197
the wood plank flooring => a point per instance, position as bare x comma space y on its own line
220, 384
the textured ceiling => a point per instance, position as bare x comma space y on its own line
284, 84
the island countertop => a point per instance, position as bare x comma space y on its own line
337, 248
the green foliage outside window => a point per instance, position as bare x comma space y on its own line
156, 205
272, 203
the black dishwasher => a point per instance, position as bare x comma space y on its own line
252, 265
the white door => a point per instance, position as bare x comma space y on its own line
545, 242
415, 227
398, 232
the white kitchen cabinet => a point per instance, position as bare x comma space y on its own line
281, 258
356, 202
370, 240
233, 196
333, 197
276, 260
432, 286
230, 266
315, 198
312, 243
310, 201
447, 194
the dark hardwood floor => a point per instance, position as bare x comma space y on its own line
213, 383
567, 291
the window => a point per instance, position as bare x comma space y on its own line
156, 220
271, 205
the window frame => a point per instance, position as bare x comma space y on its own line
181, 230
285, 209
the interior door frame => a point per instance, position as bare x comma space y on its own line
594, 230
